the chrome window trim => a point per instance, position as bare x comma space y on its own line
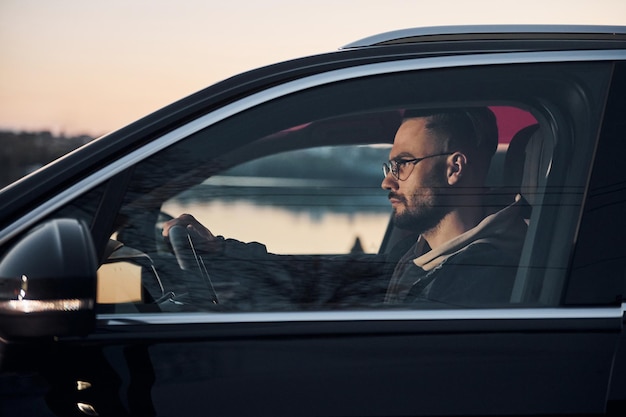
361, 316
290, 87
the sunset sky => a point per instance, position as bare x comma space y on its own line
89, 67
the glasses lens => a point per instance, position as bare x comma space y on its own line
395, 169
392, 167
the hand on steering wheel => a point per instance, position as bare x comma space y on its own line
181, 237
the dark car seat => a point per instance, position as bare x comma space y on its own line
516, 157
527, 166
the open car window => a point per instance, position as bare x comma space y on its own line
292, 191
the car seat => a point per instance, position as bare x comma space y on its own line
528, 164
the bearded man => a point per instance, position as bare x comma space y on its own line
435, 178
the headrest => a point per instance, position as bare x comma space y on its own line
536, 167
516, 157
527, 163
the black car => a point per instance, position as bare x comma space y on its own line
101, 315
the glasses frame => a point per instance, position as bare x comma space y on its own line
394, 166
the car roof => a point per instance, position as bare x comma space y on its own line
491, 32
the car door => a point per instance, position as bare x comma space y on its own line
248, 337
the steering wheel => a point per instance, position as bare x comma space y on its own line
188, 257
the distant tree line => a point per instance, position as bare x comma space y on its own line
24, 152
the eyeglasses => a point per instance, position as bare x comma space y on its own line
402, 168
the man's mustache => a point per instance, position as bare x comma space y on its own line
396, 196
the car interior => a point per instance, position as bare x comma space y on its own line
542, 157
519, 166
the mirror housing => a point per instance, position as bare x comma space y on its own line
48, 282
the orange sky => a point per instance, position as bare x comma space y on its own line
76, 66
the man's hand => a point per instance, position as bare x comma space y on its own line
193, 227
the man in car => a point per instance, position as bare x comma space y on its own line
462, 255
435, 177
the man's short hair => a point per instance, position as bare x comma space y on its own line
472, 130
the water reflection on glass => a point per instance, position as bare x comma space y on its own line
306, 201
286, 231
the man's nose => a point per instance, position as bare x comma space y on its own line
389, 182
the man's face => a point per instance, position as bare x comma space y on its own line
418, 201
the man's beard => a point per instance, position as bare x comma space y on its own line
420, 221
425, 212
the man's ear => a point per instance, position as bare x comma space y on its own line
457, 165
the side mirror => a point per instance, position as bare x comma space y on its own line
48, 282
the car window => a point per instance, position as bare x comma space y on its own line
324, 200
298, 216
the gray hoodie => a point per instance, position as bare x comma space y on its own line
477, 268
